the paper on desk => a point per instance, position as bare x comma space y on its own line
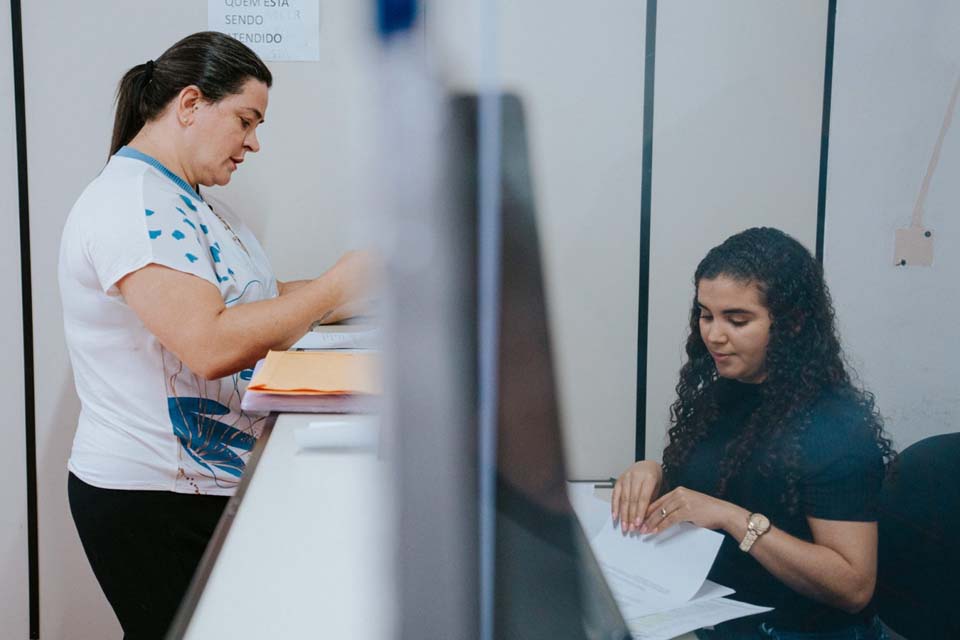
666, 569
318, 373
339, 337
655, 572
357, 432
592, 512
695, 615
649, 575
633, 605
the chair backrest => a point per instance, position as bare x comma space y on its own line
919, 560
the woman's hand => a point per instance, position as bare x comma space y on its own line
355, 274
635, 488
686, 505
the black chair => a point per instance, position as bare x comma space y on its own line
919, 561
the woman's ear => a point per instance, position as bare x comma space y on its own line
188, 101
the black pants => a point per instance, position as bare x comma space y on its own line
144, 547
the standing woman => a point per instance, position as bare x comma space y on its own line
773, 444
168, 301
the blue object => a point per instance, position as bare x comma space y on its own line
395, 16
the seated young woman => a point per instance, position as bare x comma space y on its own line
772, 443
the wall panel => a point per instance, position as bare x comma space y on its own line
579, 71
736, 143
894, 72
14, 595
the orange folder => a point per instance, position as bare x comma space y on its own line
318, 373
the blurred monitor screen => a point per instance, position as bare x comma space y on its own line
547, 581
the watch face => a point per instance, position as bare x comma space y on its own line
759, 522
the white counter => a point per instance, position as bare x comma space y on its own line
308, 554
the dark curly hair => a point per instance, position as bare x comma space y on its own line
803, 359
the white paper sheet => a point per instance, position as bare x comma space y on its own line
659, 582
667, 568
633, 607
592, 512
339, 338
697, 614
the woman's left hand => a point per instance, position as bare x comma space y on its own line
686, 505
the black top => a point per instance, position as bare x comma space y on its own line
841, 471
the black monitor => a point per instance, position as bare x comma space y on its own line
546, 582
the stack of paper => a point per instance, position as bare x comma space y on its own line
314, 381
339, 336
659, 581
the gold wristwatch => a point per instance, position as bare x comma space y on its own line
757, 525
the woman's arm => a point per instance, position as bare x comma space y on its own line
289, 287
838, 568
189, 317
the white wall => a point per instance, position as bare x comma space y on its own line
14, 594
580, 73
894, 70
736, 143
738, 97
299, 195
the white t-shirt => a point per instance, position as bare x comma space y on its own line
146, 420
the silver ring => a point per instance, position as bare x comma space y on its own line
663, 512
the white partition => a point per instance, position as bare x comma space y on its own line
14, 577
894, 71
299, 194
736, 144
579, 71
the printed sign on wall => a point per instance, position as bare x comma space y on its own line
275, 29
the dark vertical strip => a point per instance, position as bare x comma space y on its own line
650, 50
27, 310
825, 126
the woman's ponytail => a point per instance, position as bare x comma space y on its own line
130, 116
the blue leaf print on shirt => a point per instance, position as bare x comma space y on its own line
154, 234
149, 212
191, 257
188, 202
178, 234
203, 228
215, 251
187, 220
246, 374
205, 439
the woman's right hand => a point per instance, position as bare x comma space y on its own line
636, 488
355, 274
